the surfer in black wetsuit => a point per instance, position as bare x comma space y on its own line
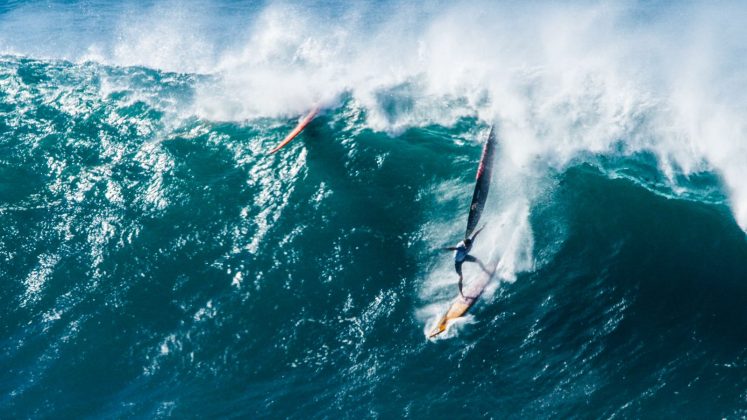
461, 254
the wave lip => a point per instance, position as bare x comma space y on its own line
562, 81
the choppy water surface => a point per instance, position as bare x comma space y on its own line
157, 262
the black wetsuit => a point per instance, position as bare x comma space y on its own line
461, 254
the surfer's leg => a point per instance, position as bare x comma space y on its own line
458, 267
470, 258
481, 265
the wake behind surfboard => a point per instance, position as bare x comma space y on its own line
472, 291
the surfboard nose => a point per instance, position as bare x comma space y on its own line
438, 329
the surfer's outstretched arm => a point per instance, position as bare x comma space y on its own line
449, 248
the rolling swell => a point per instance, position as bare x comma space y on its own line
640, 311
160, 264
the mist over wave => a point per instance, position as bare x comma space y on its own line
560, 81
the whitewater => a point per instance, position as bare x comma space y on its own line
158, 262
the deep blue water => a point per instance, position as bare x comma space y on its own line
156, 262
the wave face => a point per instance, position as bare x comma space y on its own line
158, 262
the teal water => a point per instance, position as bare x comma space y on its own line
158, 263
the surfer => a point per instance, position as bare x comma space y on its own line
482, 187
461, 255
462, 303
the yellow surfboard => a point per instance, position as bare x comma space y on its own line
461, 304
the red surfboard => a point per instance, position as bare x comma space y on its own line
296, 131
482, 183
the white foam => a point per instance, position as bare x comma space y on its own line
38, 277
561, 80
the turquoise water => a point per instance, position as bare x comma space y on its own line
158, 263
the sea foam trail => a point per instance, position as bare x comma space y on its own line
562, 81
